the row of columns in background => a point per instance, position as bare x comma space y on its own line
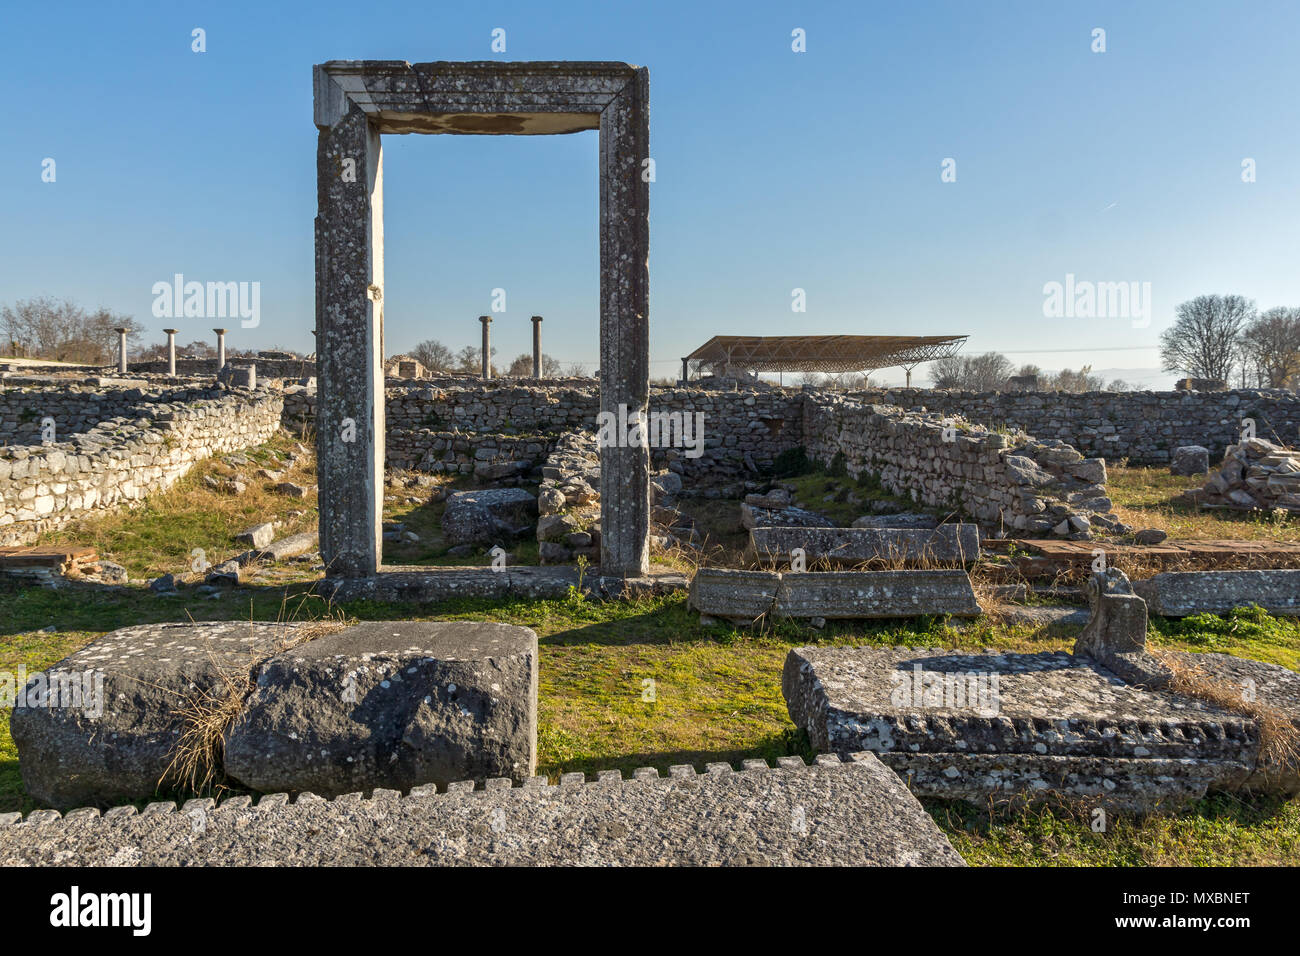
221, 348
171, 350
487, 346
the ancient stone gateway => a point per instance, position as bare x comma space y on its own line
358, 100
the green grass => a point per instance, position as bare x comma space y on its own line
1151, 498
716, 696
811, 490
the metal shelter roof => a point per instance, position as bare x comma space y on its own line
825, 353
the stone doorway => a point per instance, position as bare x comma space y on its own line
356, 102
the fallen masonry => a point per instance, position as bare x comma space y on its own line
488, 516
851, 813
746, 596
391, 704
945, 544
1181, 593
999, 726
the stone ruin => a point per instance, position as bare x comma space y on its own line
423, 729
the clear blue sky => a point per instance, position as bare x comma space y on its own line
775, 169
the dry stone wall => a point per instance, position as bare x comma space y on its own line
122, 458
1008, 479
1144, 427
494, 431
73, 409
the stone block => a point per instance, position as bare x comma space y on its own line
391, 704
748, 595
1190, 460
1116, 633
289, 547
487, 516
929, 700
72, 756
790, 815
733, 595
875, 594
1182, 593
258, 536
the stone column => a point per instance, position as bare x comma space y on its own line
487, 345
171, 351
624, 326
349, 343
121, 350
685, 373
221, 348
537, 346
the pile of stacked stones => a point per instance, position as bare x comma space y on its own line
568, 503
1255, 474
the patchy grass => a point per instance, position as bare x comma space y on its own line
841, 498
641, 683
1149, 498
161, 535
1222, 830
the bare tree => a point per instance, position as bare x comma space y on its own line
62, 331
948, 372
977, 373
1080, 381
469, 359
1271, 347
1204, 341
434, 356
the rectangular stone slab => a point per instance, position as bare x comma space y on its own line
946, 544
875, 594
855, 813
736, 595
900, 699
748, 595
1180, 593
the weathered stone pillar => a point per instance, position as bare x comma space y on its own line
487, 345
349, 340
121, 350
537, 346
685, 372
624, 326
221, 348
171, 351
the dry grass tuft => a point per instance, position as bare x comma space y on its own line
1279, 743
208, 715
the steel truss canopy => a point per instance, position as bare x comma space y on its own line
825, 353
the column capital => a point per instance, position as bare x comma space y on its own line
171, 331
220, 331
485, 319
537, 318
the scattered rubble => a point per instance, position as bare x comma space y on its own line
1254, 475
